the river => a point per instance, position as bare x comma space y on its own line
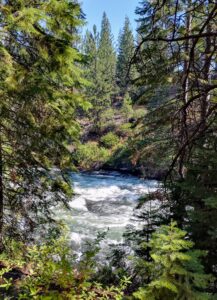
104, 202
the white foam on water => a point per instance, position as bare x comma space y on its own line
78, 203
103, 202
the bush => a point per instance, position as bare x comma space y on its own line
109, 140
49, 271
107, 121
125, 130
139, 113
90, 155
107, 115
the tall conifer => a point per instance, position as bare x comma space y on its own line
39, 90
100, 69
125, 74
107, 59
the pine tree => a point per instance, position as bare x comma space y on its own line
125, 73
40, 81
100, 69
175, 272
107, 60
90, 49
92, 73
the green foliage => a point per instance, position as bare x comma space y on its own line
127, 109
49, 271
91, 155
109, 140
107, 119
176, 271
139, 113
197, 208
120, 158
181, 122
107, 57
100, 69
41, 80
125, 73
125, 130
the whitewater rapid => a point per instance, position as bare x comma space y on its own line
103, 202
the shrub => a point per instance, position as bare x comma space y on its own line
107, 121
90, 155
107, 115
49, 271
139, 113
109, 140
125, 130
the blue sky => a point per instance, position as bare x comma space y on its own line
116, 11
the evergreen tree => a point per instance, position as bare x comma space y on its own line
40, 81
91, 45
100, 69
125, 74
92, 73
107, 60
176, 271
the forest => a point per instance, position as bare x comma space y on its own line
133, 122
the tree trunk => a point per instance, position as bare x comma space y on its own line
185, 92
205, 99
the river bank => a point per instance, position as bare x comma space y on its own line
113, 147
143, 172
